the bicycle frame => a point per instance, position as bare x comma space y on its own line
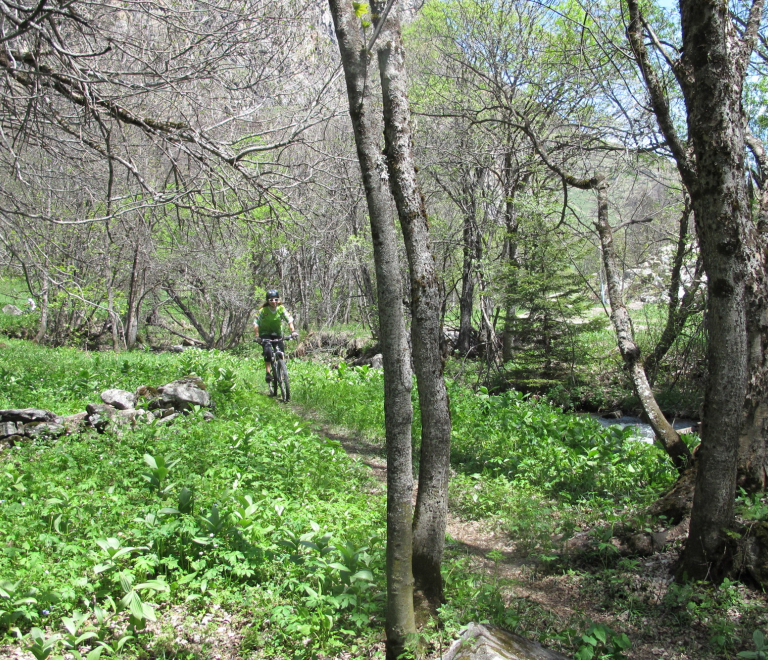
280, 379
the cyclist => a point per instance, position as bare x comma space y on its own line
269, 325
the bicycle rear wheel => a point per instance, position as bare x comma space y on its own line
282, 380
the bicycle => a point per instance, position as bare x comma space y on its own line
280, 381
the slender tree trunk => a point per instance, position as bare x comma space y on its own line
630, 351
466, 298
752, 472
42, 326
511, 224
132, 315
678, 310
398, 412
432, 501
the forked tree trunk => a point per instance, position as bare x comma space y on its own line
398, 412
431, 513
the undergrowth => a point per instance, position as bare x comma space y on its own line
104, 539
102, 534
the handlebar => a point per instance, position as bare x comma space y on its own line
261, 340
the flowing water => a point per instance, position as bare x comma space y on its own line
643, 431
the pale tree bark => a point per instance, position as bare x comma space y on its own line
42, 326
134, 296
432, 501
711, 75
398, 412
630, 352
752, 472
676, 449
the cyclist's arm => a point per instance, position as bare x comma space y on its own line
289, 319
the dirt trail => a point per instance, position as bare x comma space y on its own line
565, 600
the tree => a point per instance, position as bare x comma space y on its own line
432, 500
400, 622
710, 71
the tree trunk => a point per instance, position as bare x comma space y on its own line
711, 74
677, 310
630, 351
432, 501
511, 223
42, 326
752, 472
466, 298
398, 412
718, 196
132, 315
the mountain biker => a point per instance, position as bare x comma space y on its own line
269, 325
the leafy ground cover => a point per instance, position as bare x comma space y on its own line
252, 513
254, 536
539, 500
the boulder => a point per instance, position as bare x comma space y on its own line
8, 429
11, 441
183, 393
12, 310
479, 642
44, 430
73, 423
27, 415
119, 399
99, 415
168, 419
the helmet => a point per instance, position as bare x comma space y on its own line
273, 293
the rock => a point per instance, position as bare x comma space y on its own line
27, 415
10, 428
184, 393
119, 399
11, 440
641, 544
479, 642
145, 392
73, 423
44, 429
166, 420
12, 310
99, 415
208, 416
377, 361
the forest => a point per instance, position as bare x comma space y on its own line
500, 226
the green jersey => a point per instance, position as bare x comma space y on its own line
271, 323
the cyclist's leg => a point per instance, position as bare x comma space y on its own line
267, 350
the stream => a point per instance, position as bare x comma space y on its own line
643, 431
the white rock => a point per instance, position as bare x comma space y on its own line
120, 399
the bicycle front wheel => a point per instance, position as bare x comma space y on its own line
273, 386
282, 380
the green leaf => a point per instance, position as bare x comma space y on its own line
133, 602
362, 575
361, 8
